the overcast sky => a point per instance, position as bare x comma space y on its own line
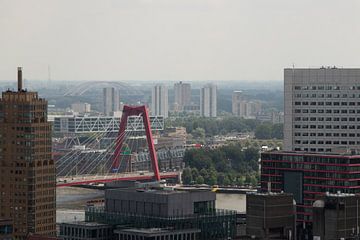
175, 39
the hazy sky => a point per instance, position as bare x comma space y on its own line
175, 39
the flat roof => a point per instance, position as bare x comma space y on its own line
155, 230
87, 224
332, 154
152, 191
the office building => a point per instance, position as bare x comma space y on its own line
336, 216
159, 101
208, 101
321, 109
157, 234
182, 95
27, 170
270, 216
86, 231
6, 229
81, 107
308, 176
111, 101
193, 213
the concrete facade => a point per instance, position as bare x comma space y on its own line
336, 216
160, 101
157, 234
208, 101
182, 95
321, 109
270, 215
158, 203
244, 108
111, 101
86, 231
81, 107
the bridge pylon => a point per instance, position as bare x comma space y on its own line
136, 111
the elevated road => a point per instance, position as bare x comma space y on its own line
90, 179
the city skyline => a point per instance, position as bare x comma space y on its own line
177, 40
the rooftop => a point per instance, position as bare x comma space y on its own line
154, 230
347, 153
87, 224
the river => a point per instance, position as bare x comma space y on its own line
71, 202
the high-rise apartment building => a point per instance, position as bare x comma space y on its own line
111, 100
159, 101
27, 171
81, 107
182, 95
208, 101
237, 99
321, 109
244, 108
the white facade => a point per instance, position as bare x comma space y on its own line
159, 101
81, 107
111, 101
182, 95
322, 108
208, 101
244, 108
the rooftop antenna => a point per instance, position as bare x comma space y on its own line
19, 78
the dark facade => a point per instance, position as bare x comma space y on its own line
147, 209
308, 176
270, 216
6, 229
27, 171
336, 216
159, 203
86, 231
157, 234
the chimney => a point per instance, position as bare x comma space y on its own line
20, 81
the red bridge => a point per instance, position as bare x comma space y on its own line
112, 159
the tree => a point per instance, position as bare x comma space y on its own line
199, 133
187, 176
278, 131
194, 173
199, 180
263, 131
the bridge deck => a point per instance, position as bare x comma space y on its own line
67, 182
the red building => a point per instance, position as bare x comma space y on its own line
308, 176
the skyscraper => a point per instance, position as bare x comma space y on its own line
111, 100
182, 95
27, 171
159, 101
208, 101
321, 109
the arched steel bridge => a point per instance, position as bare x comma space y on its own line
82, 88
